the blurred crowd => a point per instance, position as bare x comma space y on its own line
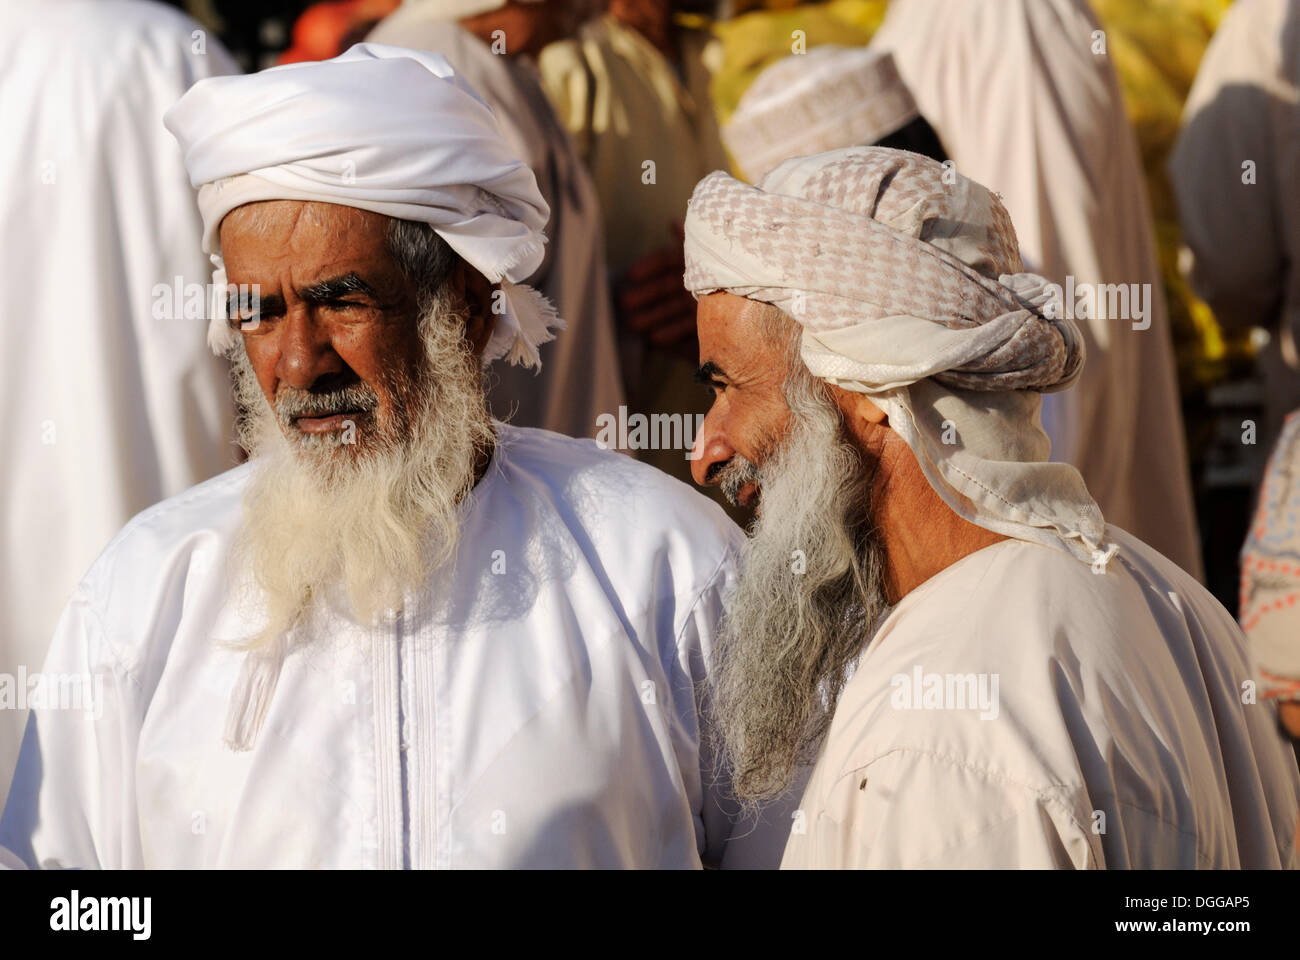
1147, 152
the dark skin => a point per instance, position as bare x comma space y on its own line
651, 300
528, 27
653, 19
919, 533
335, 308
1288, 712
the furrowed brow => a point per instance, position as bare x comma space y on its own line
336, 287
248, 300
708, 373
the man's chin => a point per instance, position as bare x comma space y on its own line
338, 423
329, 459
351, 440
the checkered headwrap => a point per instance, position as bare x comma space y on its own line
907, 282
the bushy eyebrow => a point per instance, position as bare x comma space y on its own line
248, 300
336, 287
708, 373
322, 291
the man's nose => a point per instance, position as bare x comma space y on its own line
306, 353
711, 447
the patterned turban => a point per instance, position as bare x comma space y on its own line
907, 282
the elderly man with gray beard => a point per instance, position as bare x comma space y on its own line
403, 634
982, 672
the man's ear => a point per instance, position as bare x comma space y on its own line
860, 412
476, 292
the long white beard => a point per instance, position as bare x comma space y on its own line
364, 525
809, 593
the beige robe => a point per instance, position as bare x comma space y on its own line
1245, 236
627, 106
1020, 710
580, 378
1025, 107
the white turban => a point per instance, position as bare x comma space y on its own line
811, 102
909, 289
385, 129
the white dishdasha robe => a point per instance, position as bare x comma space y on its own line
537, 707
111, 400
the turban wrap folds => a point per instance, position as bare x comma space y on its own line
907, 282
384, 129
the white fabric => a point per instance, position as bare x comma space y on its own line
580, 379
1024, 106
110, 399
384, 129
536, 707
1119, 739
1245, 236
888, 270
812, 102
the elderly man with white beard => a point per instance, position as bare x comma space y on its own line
403, 634
982, 672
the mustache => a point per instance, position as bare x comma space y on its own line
732, 477
292, 403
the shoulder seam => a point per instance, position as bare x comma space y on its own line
1051, 795
699, 596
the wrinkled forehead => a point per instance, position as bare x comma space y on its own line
297, 220
264, 241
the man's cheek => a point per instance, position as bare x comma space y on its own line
263, 364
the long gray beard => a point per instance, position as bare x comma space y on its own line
809, 594
363, 524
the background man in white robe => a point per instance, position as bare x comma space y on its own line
403, 634
111, 401
1025, 104
988, 674
580, 376
1236, 173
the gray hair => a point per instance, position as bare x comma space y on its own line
778, 326
794, 630
423, 256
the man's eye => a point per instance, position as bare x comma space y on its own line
246, 318
343, 305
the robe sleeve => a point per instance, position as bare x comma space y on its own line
913, 809
72, 804
692, 651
